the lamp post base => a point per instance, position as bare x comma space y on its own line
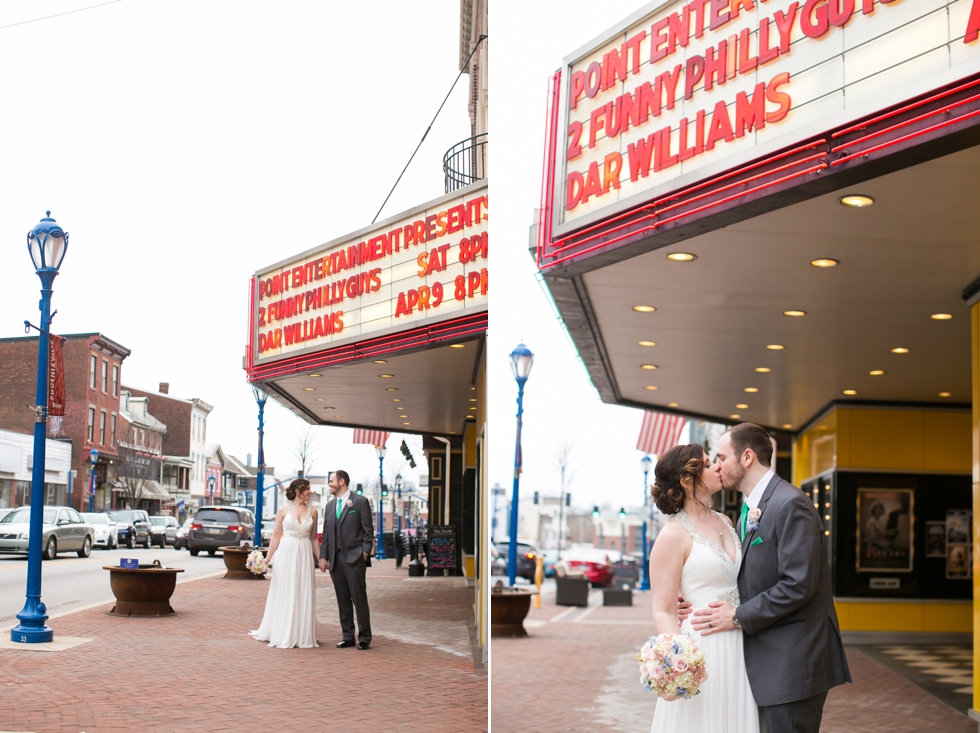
32, 629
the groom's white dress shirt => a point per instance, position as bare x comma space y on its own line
755, 496
343, 499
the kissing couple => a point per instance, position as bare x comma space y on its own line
763, 611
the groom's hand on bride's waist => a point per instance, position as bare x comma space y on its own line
716, 617
683, 610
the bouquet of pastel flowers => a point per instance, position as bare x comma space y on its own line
672, 666
256, 562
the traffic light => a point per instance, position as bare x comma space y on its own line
535, 497
622, 513
595, 512
360, 489
384, 491
408, 454
568, 499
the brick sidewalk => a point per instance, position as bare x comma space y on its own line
200, 671
576, 673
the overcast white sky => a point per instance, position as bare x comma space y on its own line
531, 39
185, 144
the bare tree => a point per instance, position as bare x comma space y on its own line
305, 444
134, 470
562, 461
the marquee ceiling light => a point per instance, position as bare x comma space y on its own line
329, 408
824, 262
472, 389
320, 399
741, 406
941, 316
402, 416
472, 408
399, 408
651, 387
308, 389
681, 257
751, 389
469, 417
457, 346
472, 399
876, 373
648, 367
794, 314
945, 394
787, 426
386, 376
316, 375
775, 347
380, 361
644, 308
646, 343
900, 350
856, 201
849, 392
763, 370
391, 389
672, 404
735, 417
406, 423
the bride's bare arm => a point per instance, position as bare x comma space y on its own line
666, 563
313, 531
276, 534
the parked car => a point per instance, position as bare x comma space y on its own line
550, 560
526, 558
217, 526
134, 527
267, 526
64, 530
105, 530
595, 565
180, 539
163, 530
5, 511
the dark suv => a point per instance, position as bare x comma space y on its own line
134, 527
214, 527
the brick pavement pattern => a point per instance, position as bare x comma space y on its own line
576, 673
201, 671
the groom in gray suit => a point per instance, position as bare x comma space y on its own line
345, 550
793, 648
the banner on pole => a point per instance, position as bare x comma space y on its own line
659, 432
371, 437
56, 383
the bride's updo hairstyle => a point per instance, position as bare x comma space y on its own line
298, 485
679, 463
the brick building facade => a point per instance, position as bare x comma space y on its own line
93, 378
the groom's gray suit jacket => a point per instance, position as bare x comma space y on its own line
793, 648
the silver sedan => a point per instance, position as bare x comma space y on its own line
63, 529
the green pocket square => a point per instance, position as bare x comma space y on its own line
756, 541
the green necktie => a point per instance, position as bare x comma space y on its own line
340, 508
745, 516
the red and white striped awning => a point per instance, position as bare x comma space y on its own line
659, 432
371, 437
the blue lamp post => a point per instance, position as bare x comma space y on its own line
93, 458
645, 464
47, 243
381, 451
521, 360
260, 398
398, 490
211, 490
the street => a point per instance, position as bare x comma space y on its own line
69, 583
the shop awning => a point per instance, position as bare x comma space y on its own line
152, 491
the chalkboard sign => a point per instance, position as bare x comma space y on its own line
442, 548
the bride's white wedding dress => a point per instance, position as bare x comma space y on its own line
290, 608
725, 703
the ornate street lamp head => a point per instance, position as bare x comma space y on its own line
645, 464
93, 456
47, 243
398, 481
521, 360
260, 395
381, 450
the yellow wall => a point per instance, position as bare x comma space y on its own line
889, 439
944, 617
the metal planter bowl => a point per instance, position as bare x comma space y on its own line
143, 592
235, 558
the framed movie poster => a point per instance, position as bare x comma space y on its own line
958, 527
958, 564
935, 539
884, 536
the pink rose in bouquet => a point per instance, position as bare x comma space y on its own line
672, 666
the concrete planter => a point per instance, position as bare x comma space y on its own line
145, 591
235, 558
508, 609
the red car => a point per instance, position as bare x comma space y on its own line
593, 564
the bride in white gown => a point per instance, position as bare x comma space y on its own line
697, 556
290, 608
